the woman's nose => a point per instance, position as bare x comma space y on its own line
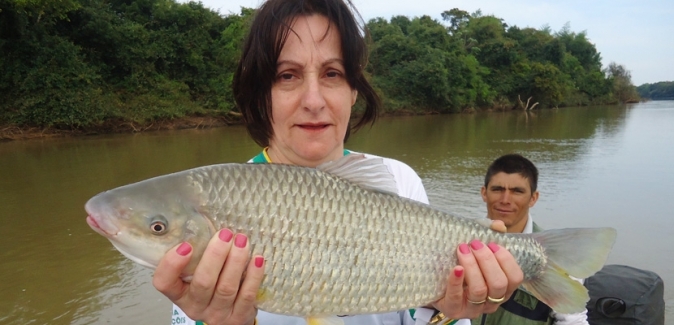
313, 99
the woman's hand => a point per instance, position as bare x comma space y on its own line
218, 293
487, 275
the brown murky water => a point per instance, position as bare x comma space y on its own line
599, 166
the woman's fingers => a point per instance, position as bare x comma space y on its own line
208, 270
509, 265
494, 276
230, 278
452, 304
166, 278
248, 292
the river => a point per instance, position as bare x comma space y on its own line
599, 166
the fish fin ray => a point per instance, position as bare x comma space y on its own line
577, 252
368, 173
557, 290
263, 295
484, 222
330, 320
580, 252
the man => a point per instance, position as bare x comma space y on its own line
509, 191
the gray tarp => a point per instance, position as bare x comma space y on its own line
641, 291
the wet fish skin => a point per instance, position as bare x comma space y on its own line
332, 245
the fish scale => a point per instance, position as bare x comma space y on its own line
324, 227
335, 239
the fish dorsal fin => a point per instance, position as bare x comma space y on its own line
369, 173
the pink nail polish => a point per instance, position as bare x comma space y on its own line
225, 235
463, 248
259, 260
493, 247
240, 240
458, 273
476, 244
184, 249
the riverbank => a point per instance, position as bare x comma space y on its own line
13, 132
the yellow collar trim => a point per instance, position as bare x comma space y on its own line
266, 155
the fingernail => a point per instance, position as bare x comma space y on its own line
259, 261
458, 273
476, 244
463, 248
493, 247
240, 240
184, 249
225, 235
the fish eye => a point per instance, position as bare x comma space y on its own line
158, 225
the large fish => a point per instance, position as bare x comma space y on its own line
336, 239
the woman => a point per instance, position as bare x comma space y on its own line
300, 74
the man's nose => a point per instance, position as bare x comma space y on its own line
505, 196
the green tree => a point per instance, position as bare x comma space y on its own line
621, 78
658, 90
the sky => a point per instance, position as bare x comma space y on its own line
639, 34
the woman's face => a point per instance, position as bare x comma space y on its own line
311, 98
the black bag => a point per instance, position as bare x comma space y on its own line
622, 295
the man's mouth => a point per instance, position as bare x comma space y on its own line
504, 211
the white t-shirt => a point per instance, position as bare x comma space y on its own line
409, 186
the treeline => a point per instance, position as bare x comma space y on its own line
473, 60
658, 90
82, 63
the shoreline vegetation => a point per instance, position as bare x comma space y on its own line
79, 67
14, 132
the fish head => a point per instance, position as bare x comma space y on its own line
143, 223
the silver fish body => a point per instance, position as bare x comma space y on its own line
332, 247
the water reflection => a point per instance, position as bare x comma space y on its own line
599, 166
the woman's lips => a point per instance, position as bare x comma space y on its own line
313, 127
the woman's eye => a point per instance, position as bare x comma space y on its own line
332, 74
285, 76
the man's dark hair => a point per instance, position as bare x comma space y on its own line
511, 164
268, 33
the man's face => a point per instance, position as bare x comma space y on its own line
508, 198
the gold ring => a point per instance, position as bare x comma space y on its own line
496, 301
476, 302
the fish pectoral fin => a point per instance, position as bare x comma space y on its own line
330, 320
368, 173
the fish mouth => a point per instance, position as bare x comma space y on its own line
96, 226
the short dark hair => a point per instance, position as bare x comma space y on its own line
511, 164
256, 72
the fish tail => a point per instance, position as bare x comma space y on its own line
578, 253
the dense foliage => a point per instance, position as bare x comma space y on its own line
658, 90
79, 63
